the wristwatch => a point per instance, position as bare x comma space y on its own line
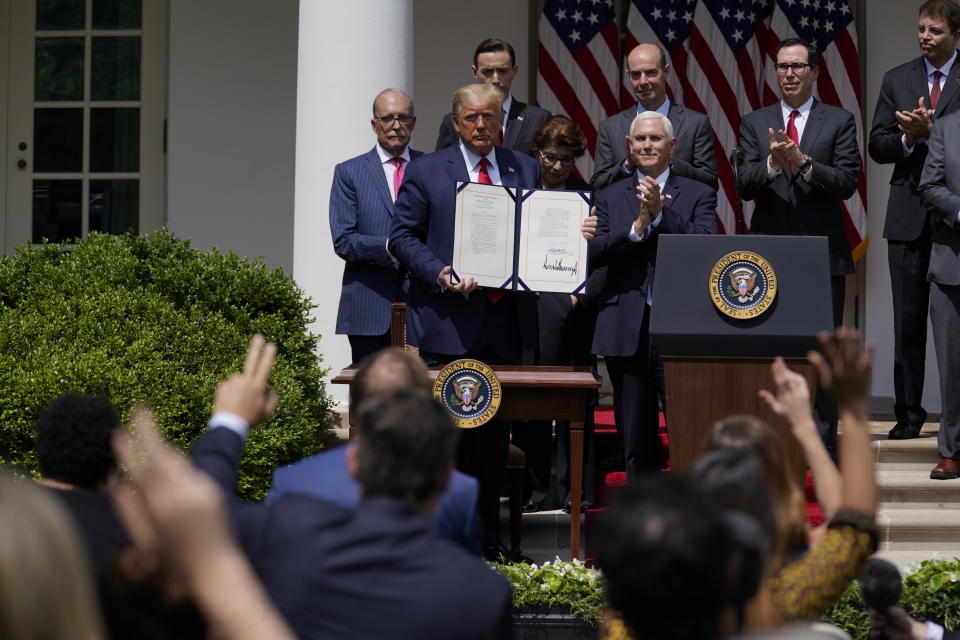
807, 161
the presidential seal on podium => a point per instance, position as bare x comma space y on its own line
470, 391
742, 285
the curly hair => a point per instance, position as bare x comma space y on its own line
73, 439
559, 131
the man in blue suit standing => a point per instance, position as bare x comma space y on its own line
450, 318
326, 475
632, 213
361, 210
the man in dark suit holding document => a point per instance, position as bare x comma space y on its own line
449, 317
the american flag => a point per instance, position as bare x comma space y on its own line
721, 58
578, 66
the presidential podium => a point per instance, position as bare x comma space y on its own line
714, 364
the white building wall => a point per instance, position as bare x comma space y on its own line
232, 125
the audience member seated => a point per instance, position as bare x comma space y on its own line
326, 476
374, 572
77, 465
804, 585
677, 566
46, 586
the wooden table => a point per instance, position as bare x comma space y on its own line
543, 393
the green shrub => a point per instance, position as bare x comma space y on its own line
148, 319
931, 591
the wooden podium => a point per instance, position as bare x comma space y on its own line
714, 365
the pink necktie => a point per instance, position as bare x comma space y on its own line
483, 177
792, 130
397, 175
935, 91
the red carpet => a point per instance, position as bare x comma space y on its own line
605, 426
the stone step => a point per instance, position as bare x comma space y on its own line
919, 454
927, 530
915, 490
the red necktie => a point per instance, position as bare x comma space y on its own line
483, 177
935, 91
397, 175
792, 130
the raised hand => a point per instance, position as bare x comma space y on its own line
245, 394
792, 399
844, 368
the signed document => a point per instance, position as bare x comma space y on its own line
485, 234
553, 253
520, 239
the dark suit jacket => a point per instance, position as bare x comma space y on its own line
522, 122
694, 156
374, 572
422, 239
790, 205
326, 476
361, 211
692, 208
940, 187
901, 88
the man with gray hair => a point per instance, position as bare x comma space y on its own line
361, 203
631, 214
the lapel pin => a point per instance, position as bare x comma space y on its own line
510, 169
519, 117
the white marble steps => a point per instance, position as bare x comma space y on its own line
917, 516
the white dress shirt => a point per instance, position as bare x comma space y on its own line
472, 162
389, 168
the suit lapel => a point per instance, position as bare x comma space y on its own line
812, 129
456, 167
379, 178
508, 172
918, 84
949, 88
514, 123
671, 188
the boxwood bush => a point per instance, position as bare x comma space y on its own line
148, 319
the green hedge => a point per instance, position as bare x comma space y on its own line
148, 319
931, 591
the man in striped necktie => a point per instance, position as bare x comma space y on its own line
361, 207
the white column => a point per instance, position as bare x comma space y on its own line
348, 52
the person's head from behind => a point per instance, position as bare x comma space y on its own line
387, 370
674, 562
735, 480
46, 588
748, 433
405, 447
73, 440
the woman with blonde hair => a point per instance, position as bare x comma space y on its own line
46, 587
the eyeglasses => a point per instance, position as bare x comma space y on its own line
387, 121
565, 161
798, 67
